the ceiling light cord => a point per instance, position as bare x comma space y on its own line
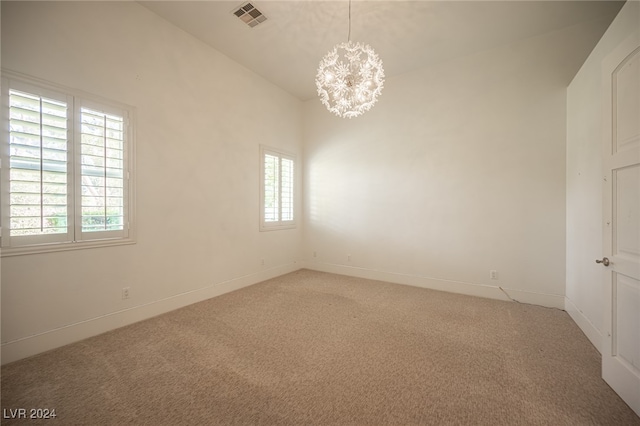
349, 36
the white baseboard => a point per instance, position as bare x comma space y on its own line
32, 345
470, 289
587, 327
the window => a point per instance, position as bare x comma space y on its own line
276, 189
66, 169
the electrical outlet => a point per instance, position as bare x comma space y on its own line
348, 258
493, 274
125, 293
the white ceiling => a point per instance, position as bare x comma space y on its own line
407, 35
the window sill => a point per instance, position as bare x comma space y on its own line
55, 247
264, 228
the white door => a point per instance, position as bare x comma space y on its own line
621, 349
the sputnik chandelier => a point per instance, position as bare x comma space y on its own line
350, 78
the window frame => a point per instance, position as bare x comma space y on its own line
74, 238
279, 224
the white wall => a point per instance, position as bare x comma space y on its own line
585, 281
200, 120
458, 170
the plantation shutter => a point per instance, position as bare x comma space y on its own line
39, 155
277, 192
66, 176
102, 174
286, 194
271, 188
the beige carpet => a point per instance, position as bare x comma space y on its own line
316, 348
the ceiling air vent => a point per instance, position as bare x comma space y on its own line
250, 15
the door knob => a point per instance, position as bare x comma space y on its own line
604, 261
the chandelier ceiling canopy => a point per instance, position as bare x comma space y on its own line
350, 78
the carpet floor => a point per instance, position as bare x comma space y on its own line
315, 348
